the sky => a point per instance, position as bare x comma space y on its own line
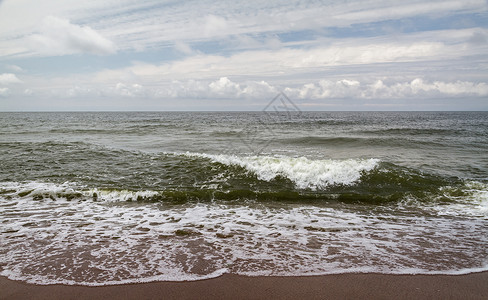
126, 55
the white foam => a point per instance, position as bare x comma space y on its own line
58, 191
119, 195
304, 172
473, 200
478, 195
33, 188
141, 242
175, 275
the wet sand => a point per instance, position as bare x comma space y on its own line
342, 286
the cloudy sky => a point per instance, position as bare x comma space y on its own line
238, 55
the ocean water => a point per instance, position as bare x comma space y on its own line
117, 197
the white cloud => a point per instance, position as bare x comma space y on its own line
244, 49
204, 20
361, 54
58, 36
382, 10
227, 88
76, 91
146, 25
221, 88
9, 78
4, 92
259, 89
366, 55
14, 68
127, 90
326, 89
184, 48
247, 42
224, 86
479, 37
256, 64
215, 26
418, 86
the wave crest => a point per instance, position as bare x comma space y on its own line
303, 172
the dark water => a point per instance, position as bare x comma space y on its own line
101, 198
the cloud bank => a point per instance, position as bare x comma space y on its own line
225, 88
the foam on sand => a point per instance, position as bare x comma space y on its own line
96, 242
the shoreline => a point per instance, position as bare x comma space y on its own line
337, 286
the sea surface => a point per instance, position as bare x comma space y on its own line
102, 198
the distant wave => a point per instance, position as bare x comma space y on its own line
360, 141
415, 131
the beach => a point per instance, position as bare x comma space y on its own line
341, 286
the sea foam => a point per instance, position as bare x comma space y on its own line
96, 242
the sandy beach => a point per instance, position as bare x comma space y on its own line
342, 286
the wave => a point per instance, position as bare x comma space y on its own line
403, 141
416, 131
468, 198
200, 177
303, 172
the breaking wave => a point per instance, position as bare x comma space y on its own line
303, 172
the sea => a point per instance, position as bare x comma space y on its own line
100, 198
